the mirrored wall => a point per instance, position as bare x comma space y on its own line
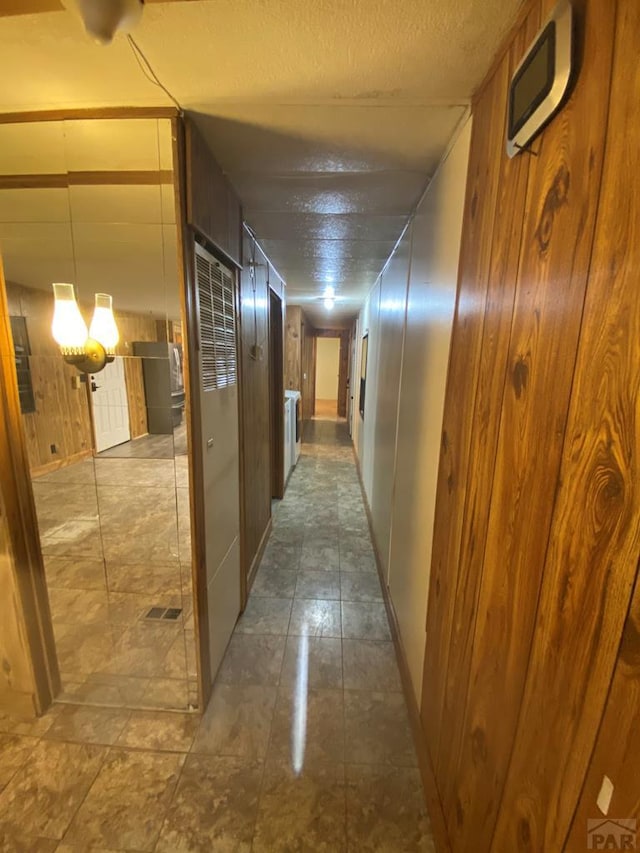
91, 202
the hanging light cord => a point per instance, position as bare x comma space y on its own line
147, 70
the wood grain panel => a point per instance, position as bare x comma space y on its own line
595, 539
30, 677
308, 369
212, 206
293, 348
254, 387
617, 750
498, 315
563, 187
482, 187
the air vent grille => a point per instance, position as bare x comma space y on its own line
217, 324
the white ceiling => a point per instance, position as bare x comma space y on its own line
328, 115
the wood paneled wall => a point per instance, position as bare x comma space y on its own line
213, 208
293, 348
62, 413
254, 387
308, 369
300, 357
536, 538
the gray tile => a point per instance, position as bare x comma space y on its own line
252, 660
386, 810
365, 621
44, 794
357, 561
322, 558
316, 661
314, 618
301, 809
377, 729
214, 807
127, 803
370, 666
84, 724
17, 842
237, 721
360, 586
159, 731
308, 725
283, 554
274, 583
265, 616
320, 585
14, 750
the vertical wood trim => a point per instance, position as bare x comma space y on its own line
276, 385
563, 187
186, 273
498, 316
592, 557
22, 527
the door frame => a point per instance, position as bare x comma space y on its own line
21, 536
276, 394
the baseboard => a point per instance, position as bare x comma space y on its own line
61, 463
432, 797
18, 704
255, 564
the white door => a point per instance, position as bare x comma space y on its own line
218, 396
110, 405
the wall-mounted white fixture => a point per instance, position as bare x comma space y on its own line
102, 19
89, 351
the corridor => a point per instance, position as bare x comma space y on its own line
305, 745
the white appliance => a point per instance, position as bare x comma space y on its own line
296, 427
289, 433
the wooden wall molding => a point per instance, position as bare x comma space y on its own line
25, 116
535, 549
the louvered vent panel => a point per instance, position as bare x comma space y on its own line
217, 325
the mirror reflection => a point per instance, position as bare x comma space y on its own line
91, 203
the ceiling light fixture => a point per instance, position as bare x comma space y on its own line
104, 18
329, 292
89, 351
329, 303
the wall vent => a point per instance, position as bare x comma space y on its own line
217, 315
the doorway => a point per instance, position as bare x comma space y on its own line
327, 372
276, 395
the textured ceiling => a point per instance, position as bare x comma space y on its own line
328, 115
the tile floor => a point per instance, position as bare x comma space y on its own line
111, 552
305, 745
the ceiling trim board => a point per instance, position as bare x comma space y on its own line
25, 116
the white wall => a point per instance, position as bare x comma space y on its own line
327, 368
409, 314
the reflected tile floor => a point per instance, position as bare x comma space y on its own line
305, 745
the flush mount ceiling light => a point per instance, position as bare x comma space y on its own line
329, 297
102, 19
89, 351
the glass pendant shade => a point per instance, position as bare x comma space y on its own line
68, 327
103, 325
328, 304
